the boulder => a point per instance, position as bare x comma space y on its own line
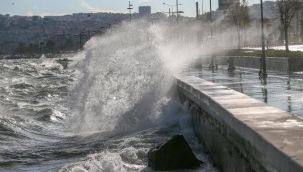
175, 154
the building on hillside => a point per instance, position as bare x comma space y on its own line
144, 11
225, 4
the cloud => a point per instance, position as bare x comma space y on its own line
95, 9
144, 1
52, 14
29, 13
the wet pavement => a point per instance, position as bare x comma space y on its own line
280, 90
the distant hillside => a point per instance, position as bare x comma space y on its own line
34, 32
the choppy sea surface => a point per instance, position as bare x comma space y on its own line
103, 113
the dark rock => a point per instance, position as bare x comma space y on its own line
64, 62
21, 86
44, 114
175, 154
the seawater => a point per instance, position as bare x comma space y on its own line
103, 113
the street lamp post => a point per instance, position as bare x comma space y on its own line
178, 12
197, 10
80, 39
202, 8
263, 72
211, 19
130, 7
177, 9
171, 9
177, 6
211, 34
41, 45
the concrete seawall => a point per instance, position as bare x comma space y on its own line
241, 133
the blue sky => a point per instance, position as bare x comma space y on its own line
61, 7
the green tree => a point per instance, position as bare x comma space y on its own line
21, 48
50, 45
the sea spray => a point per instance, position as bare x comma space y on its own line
127, 73
124, 93
123, 80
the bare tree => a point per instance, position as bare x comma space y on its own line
287, 9
238, 15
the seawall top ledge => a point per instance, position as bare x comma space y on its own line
278, 135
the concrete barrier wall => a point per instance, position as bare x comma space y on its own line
280, 64
241, 133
